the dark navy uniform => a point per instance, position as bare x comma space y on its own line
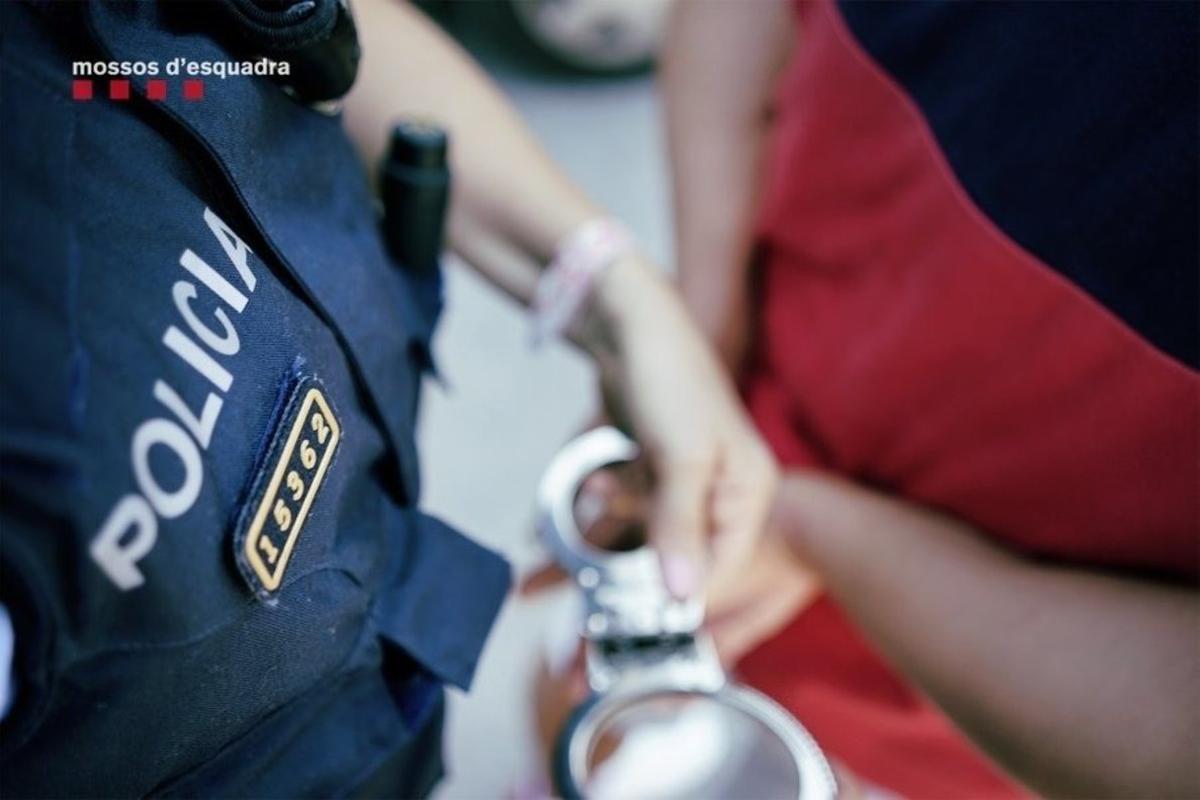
210, 369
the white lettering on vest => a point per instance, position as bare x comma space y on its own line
130, 531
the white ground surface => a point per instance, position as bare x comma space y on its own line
486, 436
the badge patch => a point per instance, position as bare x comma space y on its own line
288, 481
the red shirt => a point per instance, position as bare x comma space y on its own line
906, 339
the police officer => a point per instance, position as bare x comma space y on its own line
214, 571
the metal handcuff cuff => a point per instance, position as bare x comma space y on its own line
663, 719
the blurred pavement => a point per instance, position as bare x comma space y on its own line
504, 410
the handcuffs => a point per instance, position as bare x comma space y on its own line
663, 719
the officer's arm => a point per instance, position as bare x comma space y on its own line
718, 70
1082, 684
510, 204
509, 210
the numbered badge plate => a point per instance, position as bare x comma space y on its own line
287, 484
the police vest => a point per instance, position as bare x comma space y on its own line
218, 579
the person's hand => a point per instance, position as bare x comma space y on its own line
713, 477
743, 608
747, 609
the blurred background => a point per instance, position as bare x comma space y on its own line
504, 409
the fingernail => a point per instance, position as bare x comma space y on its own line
680, 575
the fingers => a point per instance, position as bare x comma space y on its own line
737, 529
741, 503
709, 514
679, 526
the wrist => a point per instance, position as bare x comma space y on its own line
627, 294
808, 508
575, 283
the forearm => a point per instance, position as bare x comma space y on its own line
1080, 683
718, 70
510, 205
510, 210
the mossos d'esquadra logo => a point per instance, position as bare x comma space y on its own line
190, 72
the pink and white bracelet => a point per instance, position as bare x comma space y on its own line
566, 284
